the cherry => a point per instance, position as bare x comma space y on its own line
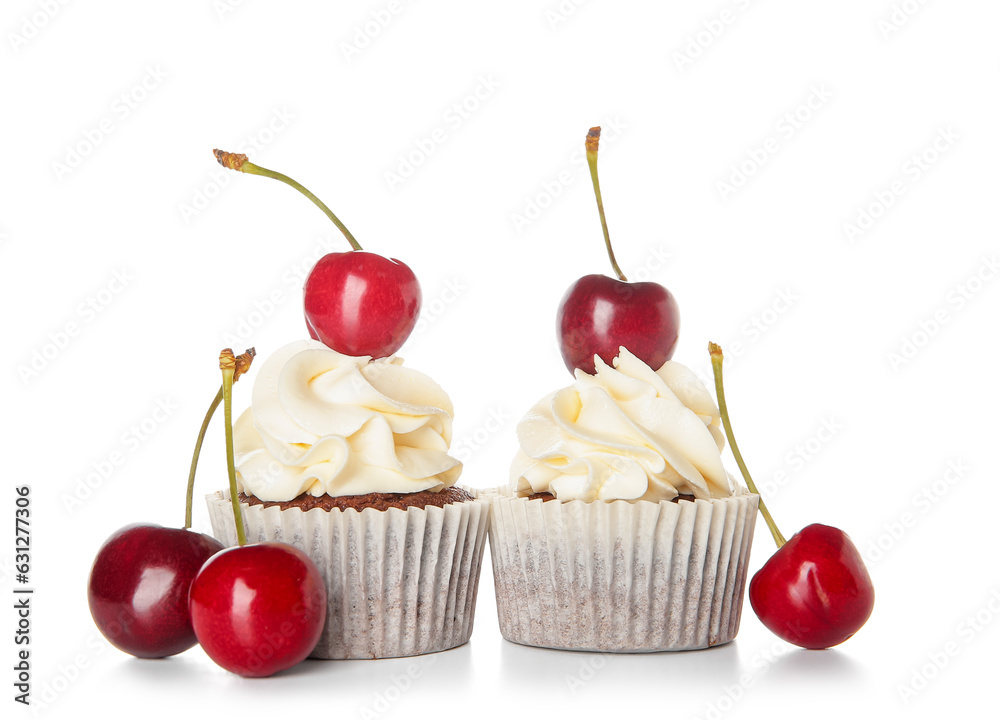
139, 585
256, 609
815, 591
360, 303
357, 303
599, 314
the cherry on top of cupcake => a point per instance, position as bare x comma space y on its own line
599, 314
356, 302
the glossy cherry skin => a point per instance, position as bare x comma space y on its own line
258, 609
599, 314
359, 303
139, 586
815, 591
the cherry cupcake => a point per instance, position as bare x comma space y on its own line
346, 458
620, 530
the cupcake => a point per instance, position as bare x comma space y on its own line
620, 530
347, 459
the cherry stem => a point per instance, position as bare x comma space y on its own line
242, 365
593, 138
227, 363
716, 353
239, 162
197, 453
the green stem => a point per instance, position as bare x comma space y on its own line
197, 453
716, 353
228, 370
593, 137
239, 162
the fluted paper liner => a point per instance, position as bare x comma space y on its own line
399, 582
620, 576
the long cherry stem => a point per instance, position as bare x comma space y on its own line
243, 362
227, 363
716, 353
593, 139
197, 453
239, 162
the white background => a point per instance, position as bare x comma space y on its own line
888, 334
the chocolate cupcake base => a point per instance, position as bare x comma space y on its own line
376, 501
399, 582
619, 576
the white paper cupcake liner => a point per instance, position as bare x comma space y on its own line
399, 582
620, 577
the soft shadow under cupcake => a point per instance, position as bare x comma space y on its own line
573, 671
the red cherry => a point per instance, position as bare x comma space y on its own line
357, 303
599, 314
258, 609
138, 588
139, 583
360, 303
815, 591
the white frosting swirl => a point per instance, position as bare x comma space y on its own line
322, 422
624, 433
